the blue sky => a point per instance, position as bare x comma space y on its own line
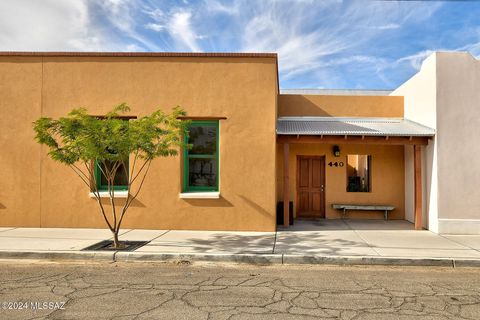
329, 44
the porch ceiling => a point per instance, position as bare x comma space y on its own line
338, 126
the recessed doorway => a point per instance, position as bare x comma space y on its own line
310, 187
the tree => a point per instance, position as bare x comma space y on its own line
104, 145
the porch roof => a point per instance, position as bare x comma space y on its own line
339, 126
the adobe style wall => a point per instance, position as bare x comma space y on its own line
340, 106
445, 95
419, 93
38, 192
458, 114
387, 180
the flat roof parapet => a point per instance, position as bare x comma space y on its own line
139, 54
337, 92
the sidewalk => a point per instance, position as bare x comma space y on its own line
327, 241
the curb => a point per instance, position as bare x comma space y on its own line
59, 255
218, 257
363, 260
260, 259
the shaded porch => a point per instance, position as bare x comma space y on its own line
316, 141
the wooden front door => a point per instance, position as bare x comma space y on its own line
311, 186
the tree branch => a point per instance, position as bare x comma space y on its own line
130, 199
96, 193
78, 174
111, 191
139, 171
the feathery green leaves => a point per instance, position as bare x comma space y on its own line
81, 137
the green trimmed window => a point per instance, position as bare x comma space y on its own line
120, 182
201, 162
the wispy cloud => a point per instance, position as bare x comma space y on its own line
415, 60
180, 28
473, 48
215, 6
177, 23
389, 26
328, 43
120, 16
310, 36
155, 26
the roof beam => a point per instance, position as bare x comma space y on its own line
392, 140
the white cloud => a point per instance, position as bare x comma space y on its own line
307, 35
121, 16
155, 27
316, 41
389, 26
473, 48
59, 25
181, 29
178, 24
416, 60
46, 25
218, 7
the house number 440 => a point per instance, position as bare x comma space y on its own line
335, 164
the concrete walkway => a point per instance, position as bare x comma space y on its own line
311, 240
394, 238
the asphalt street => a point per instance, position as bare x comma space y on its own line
39, 290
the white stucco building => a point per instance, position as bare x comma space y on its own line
445, 95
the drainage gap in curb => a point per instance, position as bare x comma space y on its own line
107, 245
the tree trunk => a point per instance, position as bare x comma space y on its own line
116, 243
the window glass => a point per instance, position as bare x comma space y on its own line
201, 161
120, 182
358, 173
203, 140
203, 172
121, 177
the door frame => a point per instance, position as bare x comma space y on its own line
297, 202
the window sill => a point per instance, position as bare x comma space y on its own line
200, 195
105, 194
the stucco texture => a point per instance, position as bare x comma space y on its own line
445, 95
340, 106
458, 114
37, 191
419, 93
20, 105
387, 178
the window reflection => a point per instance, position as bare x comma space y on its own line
203, 172
358, 173
201, 160
121, 176
203, 140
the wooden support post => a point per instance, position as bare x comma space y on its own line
417, 159
286, 189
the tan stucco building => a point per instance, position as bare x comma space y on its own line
313, 148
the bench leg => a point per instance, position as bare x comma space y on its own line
386, 215
344, 213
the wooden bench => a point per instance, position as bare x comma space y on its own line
346, 207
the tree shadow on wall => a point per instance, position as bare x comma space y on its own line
255, 206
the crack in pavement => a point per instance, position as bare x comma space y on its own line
218, 291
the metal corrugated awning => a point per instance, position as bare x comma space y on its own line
339, 126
